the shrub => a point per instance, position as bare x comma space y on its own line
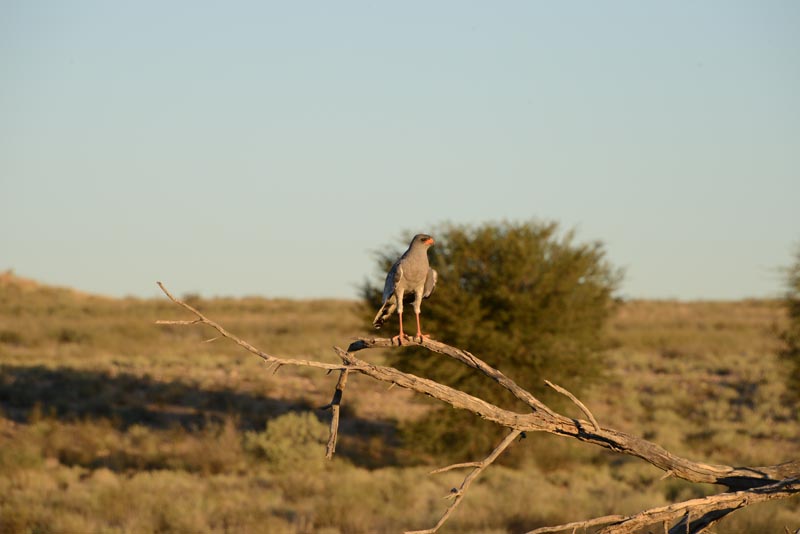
791, 336
291, 442
11, 337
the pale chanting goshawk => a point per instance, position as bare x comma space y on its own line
410, 275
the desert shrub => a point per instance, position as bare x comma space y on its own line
791, 336
71, 335
522, 296
291, 442
11, 337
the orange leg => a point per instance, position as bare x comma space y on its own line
400, 336
420, 335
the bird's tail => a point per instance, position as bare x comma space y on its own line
389, 305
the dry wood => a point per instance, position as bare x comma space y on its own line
458, 494
696, 515
748, 484
548, 421
693, 515
580, 524
578, 403
464, 357
274, 360
334, 406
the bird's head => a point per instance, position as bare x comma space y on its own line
422, 239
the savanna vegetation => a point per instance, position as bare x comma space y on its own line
110, 423
791, 335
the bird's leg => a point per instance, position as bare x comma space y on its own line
399, 296
417, 308
400, 336
420, 335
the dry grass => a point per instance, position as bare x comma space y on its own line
112, 424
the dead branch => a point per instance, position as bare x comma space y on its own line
693, 515
748, 484
458, 494
464, 357
548, 421
578, 403
455, 466
334, 406
579, 524
202, 319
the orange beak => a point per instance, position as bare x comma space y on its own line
430, 241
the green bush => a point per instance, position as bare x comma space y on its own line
521, 296
291, 442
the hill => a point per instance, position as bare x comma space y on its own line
112, 423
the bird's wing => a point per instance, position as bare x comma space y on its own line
393, 277
430, 283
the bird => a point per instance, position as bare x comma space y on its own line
410, 275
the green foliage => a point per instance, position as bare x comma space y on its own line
791, 336
522, 296
291, 442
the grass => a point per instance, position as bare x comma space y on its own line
109, 423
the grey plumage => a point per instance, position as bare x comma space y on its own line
410, 279
390, 302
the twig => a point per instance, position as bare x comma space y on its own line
202, 319
578, 403
580, 524
455, 466
334, 405
459, 493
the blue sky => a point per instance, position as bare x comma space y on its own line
268, 148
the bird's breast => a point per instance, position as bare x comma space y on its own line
414, 277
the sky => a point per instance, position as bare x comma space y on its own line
270, 148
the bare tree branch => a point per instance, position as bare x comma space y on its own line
578, 403
464, 357
202, 319
754, 484
458, 494
692, 516
334, 407
549, 421
579, 524
455, 466
695, 515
